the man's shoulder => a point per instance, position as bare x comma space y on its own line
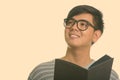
114, 75
43, 70
45, 65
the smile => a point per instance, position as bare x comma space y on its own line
74, 36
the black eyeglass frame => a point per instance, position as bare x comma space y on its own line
76, 21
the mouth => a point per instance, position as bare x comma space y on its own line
74, 36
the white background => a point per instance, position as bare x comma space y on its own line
32, 32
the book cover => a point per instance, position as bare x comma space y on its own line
99, 70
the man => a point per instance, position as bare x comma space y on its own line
83, 27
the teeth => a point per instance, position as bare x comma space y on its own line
74, 36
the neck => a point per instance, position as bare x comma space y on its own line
79, 56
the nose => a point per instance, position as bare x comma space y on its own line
75, 27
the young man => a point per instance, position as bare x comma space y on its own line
83, 27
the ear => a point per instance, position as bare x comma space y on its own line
96, 35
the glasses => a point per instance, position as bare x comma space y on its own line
81, 24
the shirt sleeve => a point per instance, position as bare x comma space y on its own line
43, 71
114, 75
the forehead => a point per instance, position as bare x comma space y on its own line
84, 16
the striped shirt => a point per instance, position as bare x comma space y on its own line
45, 71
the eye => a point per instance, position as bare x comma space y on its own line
69, 22
83, 24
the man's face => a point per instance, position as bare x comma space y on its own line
77, 38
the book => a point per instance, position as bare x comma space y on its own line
99, 70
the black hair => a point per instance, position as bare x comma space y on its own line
97, 15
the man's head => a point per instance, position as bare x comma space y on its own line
84, 26
97, 15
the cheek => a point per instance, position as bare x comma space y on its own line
88, 36
66, 32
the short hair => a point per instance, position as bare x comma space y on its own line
97, 15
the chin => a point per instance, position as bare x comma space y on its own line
75, 45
